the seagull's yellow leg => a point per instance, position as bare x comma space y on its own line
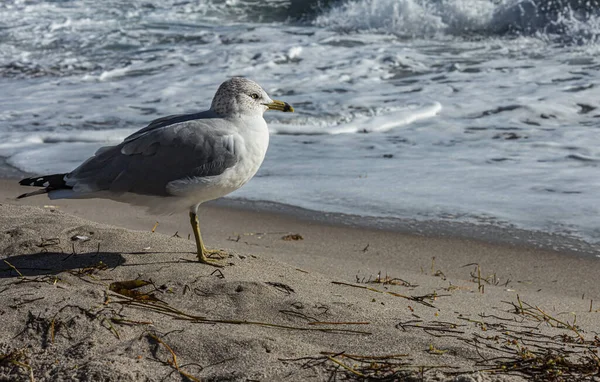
203, 253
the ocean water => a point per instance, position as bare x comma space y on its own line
473, 111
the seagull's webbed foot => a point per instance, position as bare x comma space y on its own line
209, 256
216, 254
204, 259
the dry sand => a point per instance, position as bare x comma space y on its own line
342, 303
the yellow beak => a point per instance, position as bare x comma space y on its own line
280, 105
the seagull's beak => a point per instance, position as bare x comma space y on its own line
280, 105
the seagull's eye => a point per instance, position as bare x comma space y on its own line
254, 96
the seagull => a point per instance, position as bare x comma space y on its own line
178, 162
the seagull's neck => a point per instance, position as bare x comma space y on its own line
247, 122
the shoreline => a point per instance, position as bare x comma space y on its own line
365, 251
485, 233
482, 232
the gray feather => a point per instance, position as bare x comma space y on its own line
158, 154
171, 120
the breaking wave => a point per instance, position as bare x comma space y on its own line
575, 20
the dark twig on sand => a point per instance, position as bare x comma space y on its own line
281, 286
420, 299
173, 362
14, 269
389, 367
162, 308
17, 358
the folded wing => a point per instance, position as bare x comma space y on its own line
148, 160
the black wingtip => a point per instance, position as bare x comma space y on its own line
49, 182
34, 182
37, 192
55, 181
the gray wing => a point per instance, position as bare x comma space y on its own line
170, 120
146, 163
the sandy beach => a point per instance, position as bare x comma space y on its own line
88, 292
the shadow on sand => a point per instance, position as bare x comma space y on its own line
47, 263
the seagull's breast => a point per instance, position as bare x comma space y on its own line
249, 145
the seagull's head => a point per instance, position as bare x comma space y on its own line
242, 97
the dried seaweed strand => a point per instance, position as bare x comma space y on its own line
338, 323
419, 299
13, 357
179, 315
345, 366
174, 361
366, 357
14, 269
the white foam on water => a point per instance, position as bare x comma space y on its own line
576, 20
48, 152
115, 73
363, 124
